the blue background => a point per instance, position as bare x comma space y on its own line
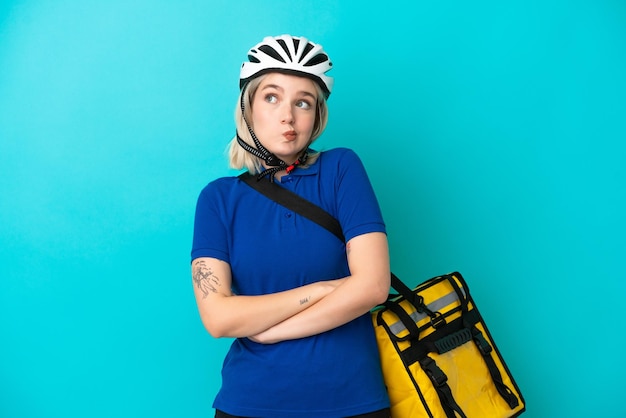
494, 134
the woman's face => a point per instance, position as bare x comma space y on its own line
283, 114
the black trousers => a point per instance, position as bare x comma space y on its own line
383, 413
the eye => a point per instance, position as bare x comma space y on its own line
303, 104
271, 98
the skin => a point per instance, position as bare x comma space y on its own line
286, 103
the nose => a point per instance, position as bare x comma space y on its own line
287, 115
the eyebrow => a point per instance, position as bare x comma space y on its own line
277, 87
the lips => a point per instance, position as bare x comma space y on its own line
290, 135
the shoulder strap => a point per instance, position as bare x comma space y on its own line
316, 214
296, 203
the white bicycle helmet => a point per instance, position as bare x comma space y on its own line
291, 55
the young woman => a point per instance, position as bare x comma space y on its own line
295, 298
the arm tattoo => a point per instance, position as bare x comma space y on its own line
205, 279
305, 300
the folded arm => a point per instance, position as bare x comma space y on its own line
366, 287
227, 315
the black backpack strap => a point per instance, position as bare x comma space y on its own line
294, 202
486, 351
440, 383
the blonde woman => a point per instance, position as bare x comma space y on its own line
295, 299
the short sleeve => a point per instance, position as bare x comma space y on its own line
210, 238
357, 206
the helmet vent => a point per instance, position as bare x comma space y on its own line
308, 47
271, 52
282, 43
254, 59
319, 58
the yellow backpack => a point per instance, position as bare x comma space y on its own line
438, 358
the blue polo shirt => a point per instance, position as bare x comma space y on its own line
270, 248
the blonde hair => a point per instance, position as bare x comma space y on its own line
240, 158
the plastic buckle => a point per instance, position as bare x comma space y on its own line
482, 343
436, 375
418, 302
437, 320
